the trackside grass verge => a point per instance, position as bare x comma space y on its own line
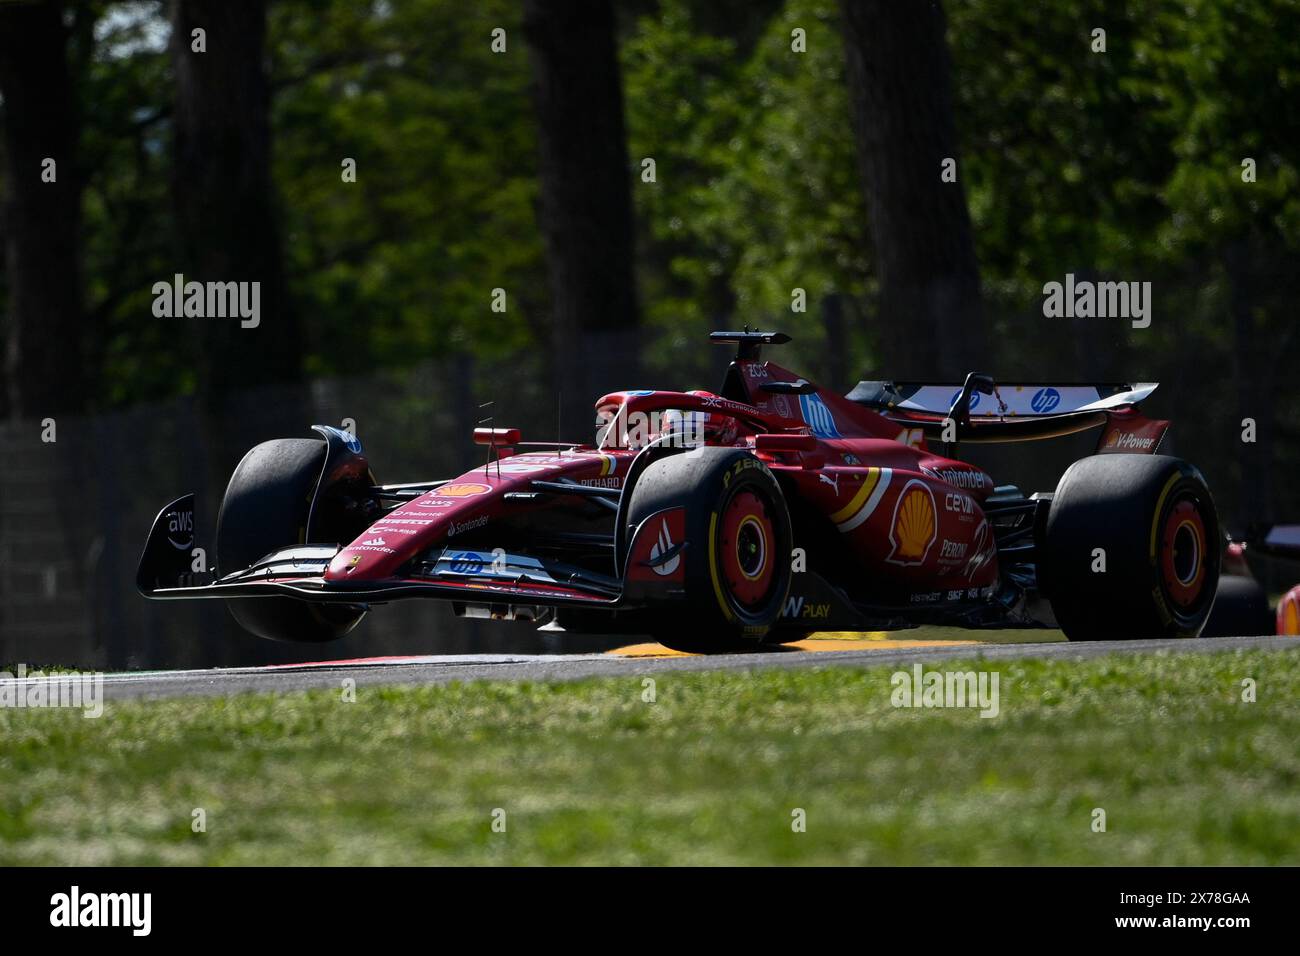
710, 772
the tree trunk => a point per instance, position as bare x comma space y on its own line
223, 195
928, 321
586, 203
43, 371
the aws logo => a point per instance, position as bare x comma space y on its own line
180, 530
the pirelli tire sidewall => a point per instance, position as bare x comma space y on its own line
1150, 521
265, 508
738, 540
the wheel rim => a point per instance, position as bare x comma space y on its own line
1183, 554
746, 541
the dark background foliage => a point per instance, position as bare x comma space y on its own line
523, 170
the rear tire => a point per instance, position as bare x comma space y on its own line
1240, 609
1154, 520
737, 554
265, 508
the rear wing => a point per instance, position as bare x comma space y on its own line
1019, 411
1032, 399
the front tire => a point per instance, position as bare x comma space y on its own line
1131, 549
737, 554
265, 508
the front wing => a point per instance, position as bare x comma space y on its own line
171, 569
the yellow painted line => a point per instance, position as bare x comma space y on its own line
646, 650
811, 644
853, 635
869, 644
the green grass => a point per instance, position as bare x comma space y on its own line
588, 773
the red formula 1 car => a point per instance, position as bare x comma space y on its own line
719, 521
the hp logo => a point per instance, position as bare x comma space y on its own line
1044, 400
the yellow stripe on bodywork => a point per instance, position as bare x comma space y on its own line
868, 483
864, 502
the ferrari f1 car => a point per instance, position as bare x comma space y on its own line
717, 521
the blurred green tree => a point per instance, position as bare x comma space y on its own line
400, 265
758, 193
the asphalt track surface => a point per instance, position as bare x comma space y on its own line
554, 667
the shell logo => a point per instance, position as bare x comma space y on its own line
463, 489
915, 525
